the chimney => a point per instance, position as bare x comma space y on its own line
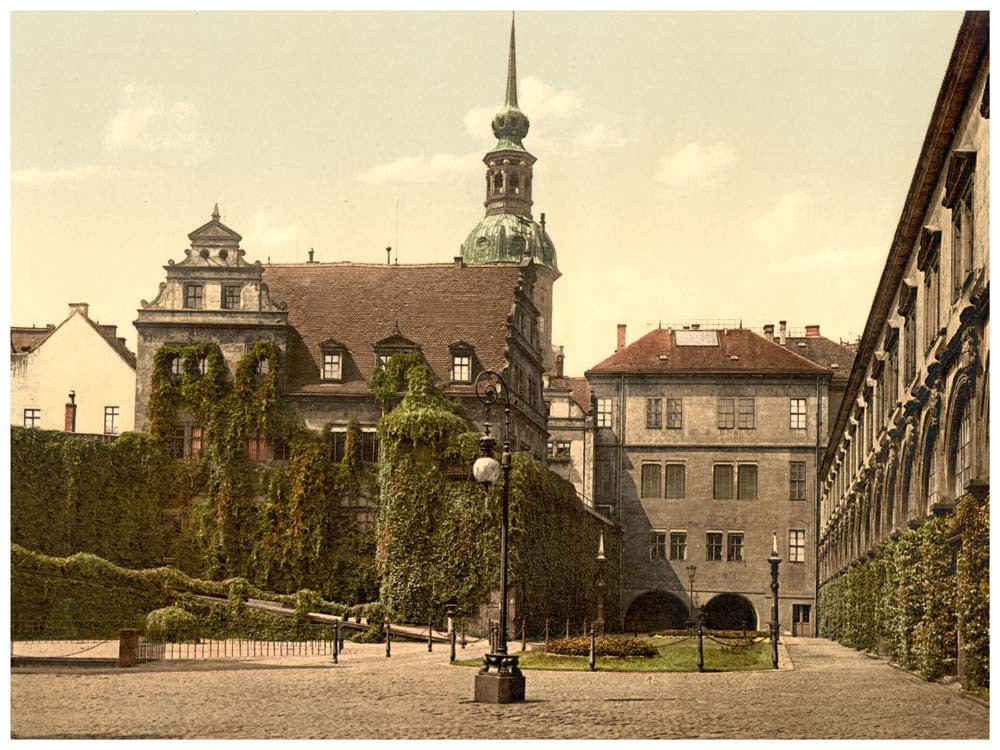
812, 332
781, 331
69, 425
458, 262
559, 363
81, 307
769, 331
621, 337
311, 251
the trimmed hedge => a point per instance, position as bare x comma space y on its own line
603, 646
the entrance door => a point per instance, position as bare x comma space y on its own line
801, 626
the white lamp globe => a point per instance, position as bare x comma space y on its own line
486, 470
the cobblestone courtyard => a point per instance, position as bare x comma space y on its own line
832, 692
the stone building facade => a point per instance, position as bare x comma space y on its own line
912, 434
707, 444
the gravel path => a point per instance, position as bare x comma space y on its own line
832, 692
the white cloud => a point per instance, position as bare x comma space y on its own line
262, 231
33, 176
600, 138
785, 222
148, 121
694, 163
421, 169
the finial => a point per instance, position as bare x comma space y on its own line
512, 68
215, 213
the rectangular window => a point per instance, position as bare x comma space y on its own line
797, 545
110, 420
747, 489
194, 296
734, 548
722, 484
604, 412
559, 450
650, 480
33, 418
657, 545
603, 480
961, 243
175, 446
678, 545
279, 450
197, 442
910, 344
727, 413
797, 412
747, 414
797, 475
461, 368
381, 360
176, 366
338, 446
963, 459
331, 366
369, 447
202, 365
713, 546
892, 377
230, 297
675, 481
932, 303
675, 414
654, 413
257, 448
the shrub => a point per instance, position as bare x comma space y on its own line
171, 624
605, 646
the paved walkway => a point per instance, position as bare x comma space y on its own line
832, 692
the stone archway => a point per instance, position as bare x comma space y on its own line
656, 610
730, 612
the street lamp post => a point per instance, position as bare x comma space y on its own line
599, 585
775, 561
506, 684
696, 619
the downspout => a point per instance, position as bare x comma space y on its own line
621, 458
816, 501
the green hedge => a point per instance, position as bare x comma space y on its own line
917, 594
603, 646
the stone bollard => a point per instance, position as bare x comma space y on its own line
128, 647
463, 632
701, 650
524, 636
340, 630
430, 637
546, 633
336, 641
593, 649
453, 639
388, 639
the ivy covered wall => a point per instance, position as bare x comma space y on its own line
918, 595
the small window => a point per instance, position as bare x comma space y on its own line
559, 450
33, 418
177, 366
230, 297
675, 414
734, 549
654, 413
657, 545
797, 409
338, 446
331, 366
197, 442
678, 545
713, 546
722, 484
797, 479
727, 413
747, 414
461, 368
675, 481
604, 412
797, 545
202, 365
110, 420
747, 482
279, 450
257, 448
961, 246
382, 360
963, 457
603, 480
650, 480
194, 296
175, 443
369, 446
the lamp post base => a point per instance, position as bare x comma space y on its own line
505, 685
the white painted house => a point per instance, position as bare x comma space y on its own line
77, 376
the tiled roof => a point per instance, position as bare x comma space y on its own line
26, 338
110, 334
579, 390
824, 353
433, 305
739, 350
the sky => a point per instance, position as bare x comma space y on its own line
720, 165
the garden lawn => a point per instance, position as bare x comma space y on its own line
674, 656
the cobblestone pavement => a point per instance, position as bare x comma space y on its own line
832, 692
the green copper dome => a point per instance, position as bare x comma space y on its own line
504, 238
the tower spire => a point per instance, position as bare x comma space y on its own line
215, 212
512, 68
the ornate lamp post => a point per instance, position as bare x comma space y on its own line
692, 569
599, 585
696, 619
775, 561
506, 684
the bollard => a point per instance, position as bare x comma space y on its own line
463, 632
593, 649
567, 627
524, 636
701, 651
388, 639
128, 645
336, 641
546, 633
430, 637
341, 629
452, 634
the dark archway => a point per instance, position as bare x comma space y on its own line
656, 610
730, 612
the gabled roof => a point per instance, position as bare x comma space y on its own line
734, 350
358, 304
27, 339
24, 339
579, 390
824, 352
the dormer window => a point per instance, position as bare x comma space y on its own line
331, 366
331, 360
194, 296
461, 361
382, 361
393, 344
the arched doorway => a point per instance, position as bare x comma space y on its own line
656, 610
730, 612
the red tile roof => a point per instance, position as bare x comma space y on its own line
357, 304
825, 353
579, 390
739, 350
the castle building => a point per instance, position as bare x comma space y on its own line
911, 436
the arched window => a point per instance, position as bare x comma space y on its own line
498, 182
961, 457
930, 472
515, 183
